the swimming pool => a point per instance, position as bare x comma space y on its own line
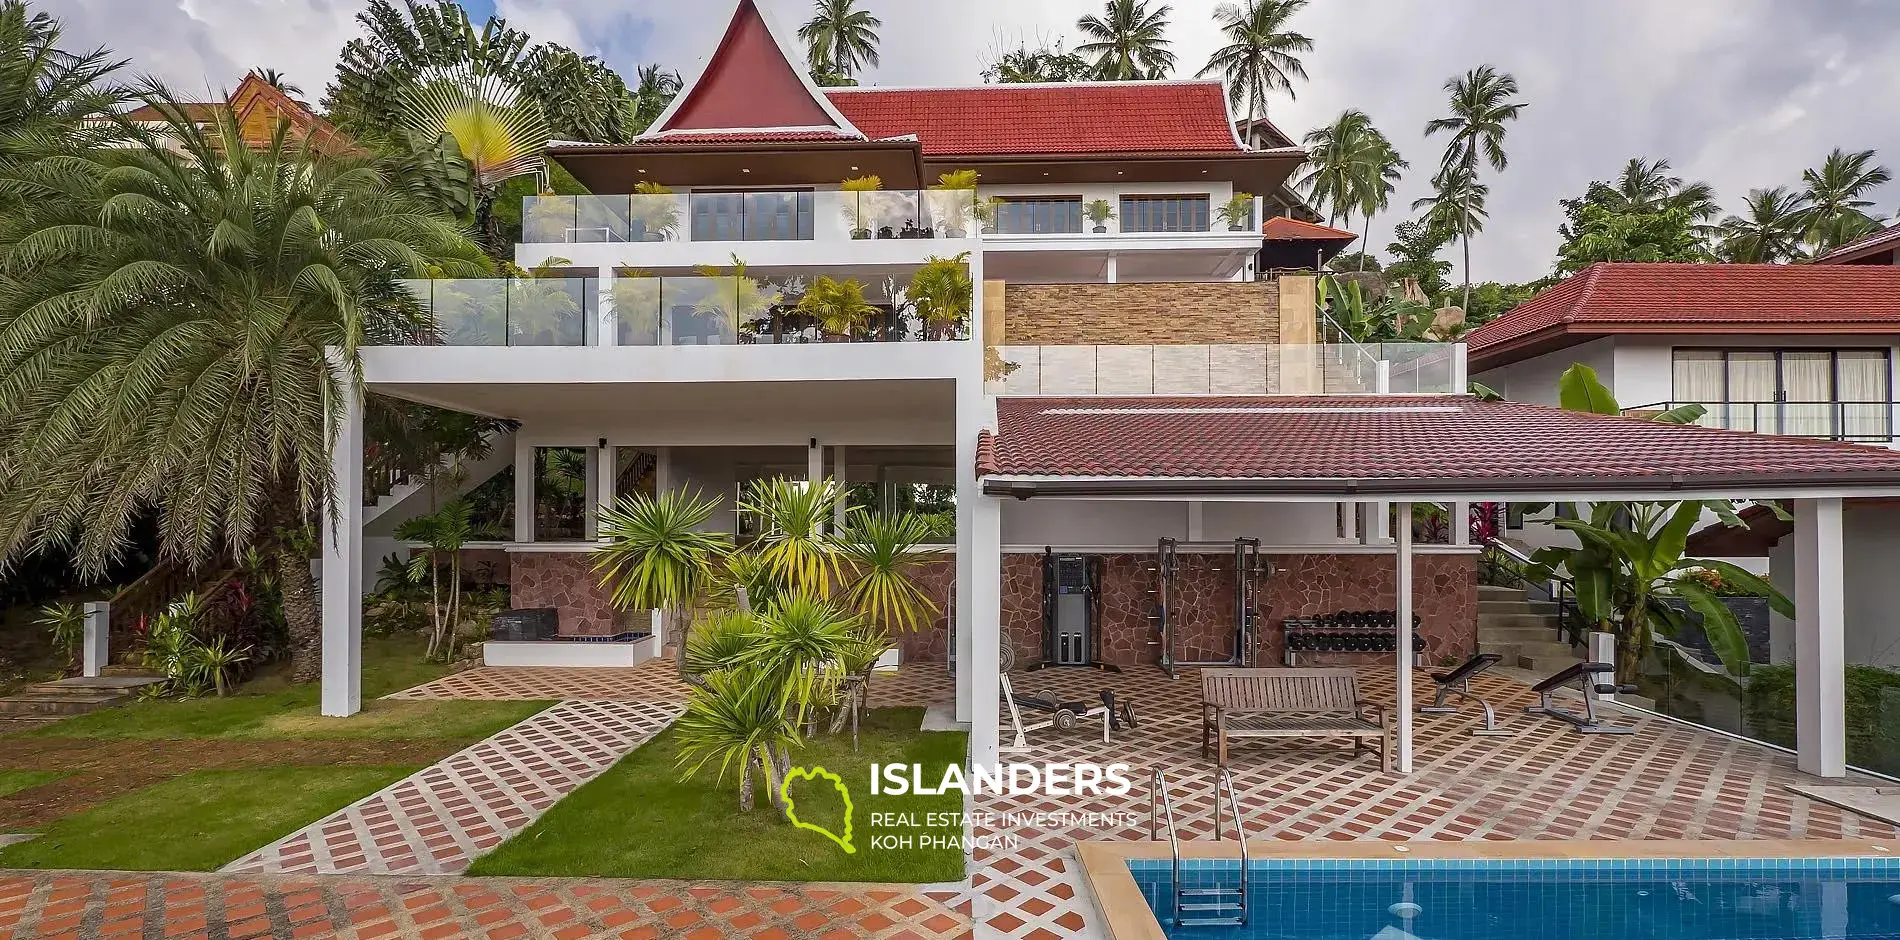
1545, 899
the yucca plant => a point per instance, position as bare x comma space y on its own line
654, 554
719, 641
857, 660
838, 307
881, 554
501, 133
215, 663
792, 543
745, 580
737, 720
65, 623
798, 645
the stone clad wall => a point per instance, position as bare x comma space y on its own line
1178, 314
566, 582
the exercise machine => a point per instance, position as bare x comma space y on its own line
1062, 715
1071, 612
1585, 677
1458, 682
1248, 568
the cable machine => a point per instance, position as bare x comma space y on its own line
1248, 568
1071, 612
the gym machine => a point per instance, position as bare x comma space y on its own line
1587, 679
1248, 569
1071, 612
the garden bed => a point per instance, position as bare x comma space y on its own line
640, 820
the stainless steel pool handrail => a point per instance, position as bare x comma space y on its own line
1225, 784
1158, 803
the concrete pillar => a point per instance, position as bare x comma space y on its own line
1820, 688
342, 585
985, 620
1109, 272
1461, 523
606, 489
1460, 381
524, 488
1299, 331
814, 462
838, 473
591, 490
1402, 734
94, 644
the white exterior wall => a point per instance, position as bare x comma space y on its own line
1871, 537
1534, 380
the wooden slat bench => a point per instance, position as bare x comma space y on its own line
1239, 704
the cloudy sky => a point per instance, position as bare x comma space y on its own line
1741, 93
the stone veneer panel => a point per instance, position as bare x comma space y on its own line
566, 582
1177, 313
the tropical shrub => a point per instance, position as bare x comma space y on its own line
941, 292
65, 624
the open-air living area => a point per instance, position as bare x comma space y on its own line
786, 492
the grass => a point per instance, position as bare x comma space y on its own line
639, 820
198, 821
271, 707
13, 781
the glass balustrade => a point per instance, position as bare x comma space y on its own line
764, 310
748, 216
551, 311
1229, 369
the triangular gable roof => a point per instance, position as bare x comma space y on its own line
750, 86
257, 106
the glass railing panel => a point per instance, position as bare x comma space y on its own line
549, 311
546, 218
468, 311
951, 213
1865, 421
636, 309
704, 311
656, 217
1419, 368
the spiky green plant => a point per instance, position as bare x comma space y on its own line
737, 720
719, 642
881, 553
942, 293
797, 645
838, 306
65, 624
655, 554
215, 663
443, 532
792, 543
500, 132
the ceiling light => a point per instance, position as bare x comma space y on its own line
643, 171
745, 169
1118, 172
854, 169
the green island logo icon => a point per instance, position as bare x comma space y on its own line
791, 808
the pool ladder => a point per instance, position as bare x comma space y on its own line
1212, 906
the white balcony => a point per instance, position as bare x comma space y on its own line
1235, 369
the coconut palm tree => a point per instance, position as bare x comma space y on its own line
1482, 101
1456, 205
654, 89
840, 39
1382, 169
1836, 213
276, 79
1336, 156
1769, 232
1128, 41
501, 134
47, 91
1651, 186
1261, 54
164, 328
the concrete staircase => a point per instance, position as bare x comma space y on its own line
47, 701
1522, 630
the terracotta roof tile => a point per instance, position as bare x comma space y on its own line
1612, 297
201, 112
1077, 117
1886, 239
1282, 228
1448, 438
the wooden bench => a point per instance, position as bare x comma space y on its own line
1238, 704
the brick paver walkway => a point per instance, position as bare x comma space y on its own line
119, 904
443, 817
1667, 781
656, 680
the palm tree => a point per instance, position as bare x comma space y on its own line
840, 39
501, 134
1836, 213
1456, 205
1336, 155
1770, 231
1128, 41
1261, 54
1481, 103
654, 89
47, 91
1650, 186
276, 79
164, 334
1383, 167
654, 554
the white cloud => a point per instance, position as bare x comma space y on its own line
1742, 93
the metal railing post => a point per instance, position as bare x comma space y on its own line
95, 642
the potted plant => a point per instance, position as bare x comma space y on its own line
730, 307
549, 217
854, 203
941, 292
1237, 212
653, 217
636, 297
1099, 212
957, 206
838, 307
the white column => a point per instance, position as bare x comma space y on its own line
838, 473
1383, 379
1820, 686
342, 586
1461, 523
1460, 382
662, 469
606, 487
1109, 271
590, 498
985, 622
524, 488
1196, 520
979, 543
1375, 523
94, 644
814, 462
1402, 735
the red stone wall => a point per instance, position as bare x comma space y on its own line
566, 582
931, 642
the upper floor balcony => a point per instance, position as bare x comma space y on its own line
750, 216
1234, 369
1861, 422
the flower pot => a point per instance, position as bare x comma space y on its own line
1101, 230
1236, 226
860, 233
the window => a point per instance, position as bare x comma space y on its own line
752, 216
1834, 393
1165, 214
1038, 215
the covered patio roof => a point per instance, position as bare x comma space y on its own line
1423, 448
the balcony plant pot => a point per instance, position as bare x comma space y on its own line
1101, 230
860, 234
637, 230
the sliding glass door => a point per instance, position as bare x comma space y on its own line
1843, 394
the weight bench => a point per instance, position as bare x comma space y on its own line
1584, 677
1458, 682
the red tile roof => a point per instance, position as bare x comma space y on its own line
1611, 298
1185, 117
1887, 239
199, 112
1372, 444
1282, 228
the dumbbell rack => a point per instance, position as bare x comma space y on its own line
1355, 632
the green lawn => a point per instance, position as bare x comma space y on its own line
199, 821
13, 781
269, 706
639, 820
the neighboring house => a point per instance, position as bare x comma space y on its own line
1882, 247
1143, 398
1795, 350
258, 107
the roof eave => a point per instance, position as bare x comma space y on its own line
1648, 486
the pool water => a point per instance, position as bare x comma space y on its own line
1623, 899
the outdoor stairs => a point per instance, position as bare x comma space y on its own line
46, 701
1522, 630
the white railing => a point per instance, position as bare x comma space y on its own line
1234, 369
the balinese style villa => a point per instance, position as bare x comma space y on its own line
1157, 466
